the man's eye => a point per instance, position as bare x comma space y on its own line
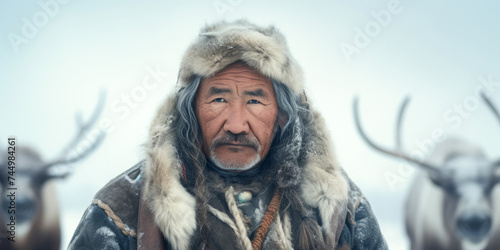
253, 102
219, 100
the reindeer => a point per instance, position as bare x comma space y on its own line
36, 207
451, 203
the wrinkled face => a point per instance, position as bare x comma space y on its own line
237, 112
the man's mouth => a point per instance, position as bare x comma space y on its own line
238, 145
233, 143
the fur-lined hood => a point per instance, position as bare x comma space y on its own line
322, 181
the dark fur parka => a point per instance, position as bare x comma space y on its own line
320, 207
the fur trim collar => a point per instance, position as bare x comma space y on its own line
322, 185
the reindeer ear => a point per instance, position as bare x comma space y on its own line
443, 180
436, 179
496, 164
60, 171
50, 172
496, 172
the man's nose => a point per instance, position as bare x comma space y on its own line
237, 121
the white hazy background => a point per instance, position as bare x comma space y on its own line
436, 52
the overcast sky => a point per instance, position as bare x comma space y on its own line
55, 57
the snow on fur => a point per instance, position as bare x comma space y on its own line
323, 184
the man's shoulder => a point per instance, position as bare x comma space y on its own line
125, 184
361, 228
111, 220
119, 198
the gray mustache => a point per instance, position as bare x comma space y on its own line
235, 139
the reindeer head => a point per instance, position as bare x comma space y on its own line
32, 174
461, 171
27, 181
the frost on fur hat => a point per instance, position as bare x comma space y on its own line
223, 43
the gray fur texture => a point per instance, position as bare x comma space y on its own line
309, 163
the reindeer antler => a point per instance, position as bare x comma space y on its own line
399, 152
490, 105
399, 121
83, 129
497, 115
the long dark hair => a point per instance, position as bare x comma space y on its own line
285, 153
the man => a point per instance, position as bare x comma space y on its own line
236, 159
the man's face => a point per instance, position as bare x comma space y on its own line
237, 112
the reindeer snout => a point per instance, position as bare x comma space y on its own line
474, 227
24, 209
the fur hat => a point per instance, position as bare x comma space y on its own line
322, 184
223, 43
